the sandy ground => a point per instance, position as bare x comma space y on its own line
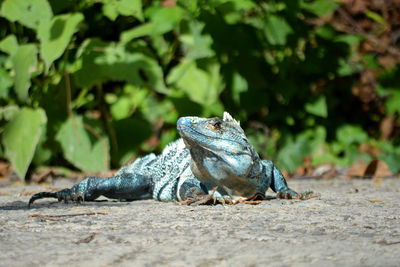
353, 223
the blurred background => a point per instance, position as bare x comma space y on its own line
87, 86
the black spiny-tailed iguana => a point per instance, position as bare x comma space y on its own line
211, 153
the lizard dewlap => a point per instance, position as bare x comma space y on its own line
211, 153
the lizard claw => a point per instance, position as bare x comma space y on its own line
212, 198
203, 200
245, 201
287, 194
63, 195
290, 194
221, 199
255, 199
308, 194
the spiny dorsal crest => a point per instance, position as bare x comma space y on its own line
228, 117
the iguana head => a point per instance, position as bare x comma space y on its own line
221, 153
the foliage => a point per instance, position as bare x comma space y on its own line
93, 83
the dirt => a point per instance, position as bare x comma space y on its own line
352, 223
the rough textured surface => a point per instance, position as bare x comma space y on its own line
353, 223
212, 153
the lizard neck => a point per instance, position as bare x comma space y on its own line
211, 170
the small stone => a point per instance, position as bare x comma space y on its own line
318, 231
346, 217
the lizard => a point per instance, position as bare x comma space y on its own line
211, 153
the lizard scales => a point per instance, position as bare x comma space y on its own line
211, 152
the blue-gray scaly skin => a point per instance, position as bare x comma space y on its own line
212, 152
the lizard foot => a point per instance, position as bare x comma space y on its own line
210, 199
63, 195
203, 200
287, 194
255, 199
290, 194
308, 194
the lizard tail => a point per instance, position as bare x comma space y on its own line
42, 195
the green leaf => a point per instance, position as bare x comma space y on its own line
9, 112
214, 109
369, 61
351, 134
130, 133
89, 72
162, 20
308, 142
138, 31
239, 85
392, 160
153, 109
392, 104
55, 36
43, 153
5, 83
291, 155
319, 7
234, 11
166, 19
351, 40
326, 32
58, 6
195, 44
122, 108
113, 8
201, 86
9, 44
126, 104
318, 107
102, 62
83, 145
347, 68
392, 98
376, 17
21, 136
30, 13
24, 63
276, 30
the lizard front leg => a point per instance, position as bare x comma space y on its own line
272, 177
117, 187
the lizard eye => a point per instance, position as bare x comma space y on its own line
217, 124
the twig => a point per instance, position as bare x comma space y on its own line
350, 20
68, 89
106, 119
384, 242
86, 126
374, 40
69, 97
49, 217
322, 177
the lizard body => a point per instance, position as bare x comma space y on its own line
211, 152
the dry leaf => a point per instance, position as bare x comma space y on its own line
357, 169
377, 168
